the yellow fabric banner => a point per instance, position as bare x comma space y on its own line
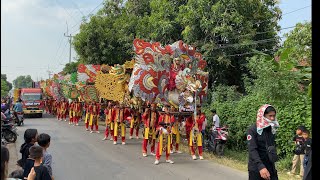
132, 123
123, 130
86, 119
115, 132
146, 133
91, 119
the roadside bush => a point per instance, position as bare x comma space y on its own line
279, 89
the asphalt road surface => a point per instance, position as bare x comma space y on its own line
79, 155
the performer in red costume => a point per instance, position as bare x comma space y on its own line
135, 123
176, 66
77, 113
164, 135
196, 135
109, 123
175, 135
94, 116
188, 125
87, 117
150, 119
120, 116
63, 109
71, 112
58, 107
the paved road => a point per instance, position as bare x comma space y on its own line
79, 155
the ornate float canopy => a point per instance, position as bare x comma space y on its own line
173, 74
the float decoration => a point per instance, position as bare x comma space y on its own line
172, 75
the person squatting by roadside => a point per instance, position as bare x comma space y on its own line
261, 141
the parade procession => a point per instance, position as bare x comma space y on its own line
157, 96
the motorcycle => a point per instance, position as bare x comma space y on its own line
9, 132
217, 140
19, 118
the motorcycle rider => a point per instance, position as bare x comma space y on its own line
17, 108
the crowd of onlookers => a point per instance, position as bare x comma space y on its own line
35, 162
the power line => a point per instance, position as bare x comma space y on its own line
257, 52
77, 7
60, 57
85, 17
251, 43
53, 60
285, 14
257, 33
296, 10
66, 11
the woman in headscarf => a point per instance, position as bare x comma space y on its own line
261, 145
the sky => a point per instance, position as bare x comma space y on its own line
32, 32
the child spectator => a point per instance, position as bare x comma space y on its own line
44, 142
30, 137
298, 152
42, 173
307, 146
28, 166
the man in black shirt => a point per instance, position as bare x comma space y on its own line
298, 152
261, 139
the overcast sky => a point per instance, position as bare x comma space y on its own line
32, 31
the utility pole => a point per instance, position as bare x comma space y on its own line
49, 72
70, 40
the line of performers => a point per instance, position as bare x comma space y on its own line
161, 128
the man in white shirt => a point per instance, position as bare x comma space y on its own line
215, 119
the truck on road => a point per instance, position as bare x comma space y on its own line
32, 100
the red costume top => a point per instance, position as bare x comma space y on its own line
165, 118
200, 120
120, 114
150, 118
189, 123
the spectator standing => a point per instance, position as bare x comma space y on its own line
307, 147
298, 152
44, 142
30, 137
42, 173
261, 141
215, 119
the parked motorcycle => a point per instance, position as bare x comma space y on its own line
9, 132
216, 140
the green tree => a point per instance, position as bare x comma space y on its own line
224, 28
218, 29
23, 82
4, 77
274, 81
4, 88
71, 68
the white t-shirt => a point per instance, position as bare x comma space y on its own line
216, 120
